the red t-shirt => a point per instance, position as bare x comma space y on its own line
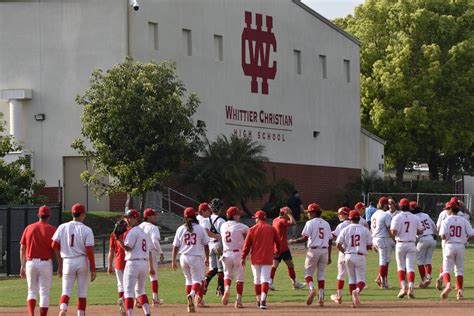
281, 225
37, 239
119, 253
261, 239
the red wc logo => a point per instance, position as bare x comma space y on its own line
258, 43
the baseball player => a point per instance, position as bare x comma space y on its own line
261, 240
139, 260
233, 241
215, 248
36, 260
150, 228
343, 215
392, 208
75, 242
360, 207
318, 234
191, 242
426, 243
455, 231
281, 224
354, 241
404, 228
383, 242
116, 263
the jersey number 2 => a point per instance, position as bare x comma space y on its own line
227, 237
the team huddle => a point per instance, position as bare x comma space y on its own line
223, 244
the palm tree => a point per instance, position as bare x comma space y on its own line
229, 168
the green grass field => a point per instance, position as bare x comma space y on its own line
103, 290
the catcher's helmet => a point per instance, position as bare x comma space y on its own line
216, 204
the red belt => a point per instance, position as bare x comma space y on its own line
318, 247
235, 250
40, 259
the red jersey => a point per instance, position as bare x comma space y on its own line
37, 239
261, 239
281, 225
119, 252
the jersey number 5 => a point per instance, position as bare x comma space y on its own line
190, 239
321, 233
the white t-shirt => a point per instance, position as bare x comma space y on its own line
153, 233
73, 237
456, 229
191, 243
232, 233
381, 224
340, 227
429, 227
392, 215
318, 232
140, 243
354, 239
217, 222
406, 224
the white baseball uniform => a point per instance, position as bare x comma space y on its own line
392, 215
318, 233
191, 248
380, 228
215, 245
153, 233
232, 233
406, 224
73, 238
341, 265
426, 241
355, 239
456, 230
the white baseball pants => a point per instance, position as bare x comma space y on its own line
405, 253
384, 248
119, 275
341, 267
193, 268
75, 269
356, 267
424, 250
134, 277
316, 259
453, 255
261, 273
38, 275
155, 267
233, 267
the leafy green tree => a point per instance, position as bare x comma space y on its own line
231, 168
136, 129
17, 184
417, 79
279, 189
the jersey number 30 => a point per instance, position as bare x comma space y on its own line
190, 239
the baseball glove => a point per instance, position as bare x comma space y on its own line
120, 228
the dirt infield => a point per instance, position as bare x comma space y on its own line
368, 308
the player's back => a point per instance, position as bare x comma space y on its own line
355, 238
191, 242
139, 242
153, 233
380, 224
232, 233
340, 227
73, 238
456, 229
406, 224
428, 224
318, 232
37, 239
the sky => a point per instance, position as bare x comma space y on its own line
331, 9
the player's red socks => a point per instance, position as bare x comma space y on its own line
320, 284
459, 282
31, 307
272, 273
188, 289
291, 273
340, 284
63, 300
81, 303
360, 286
240, 288
43, 311
196, 287
154, 286
352, 287
309, 279
120, 294
258, 289
129, 303
220, 276
143, 299
402, 275
411, 277
265, 287
428, 268
421, 269
227, 282
447, 278
381, 270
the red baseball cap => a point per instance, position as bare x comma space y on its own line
452, 204
314, 207
383, 200
189, 212
359, 205
404, 202
344, 210
413, 204
204, 207
78, 209
149, 212
284, 210
354, 214
260, 215
233, 210
44, 211
132, 213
